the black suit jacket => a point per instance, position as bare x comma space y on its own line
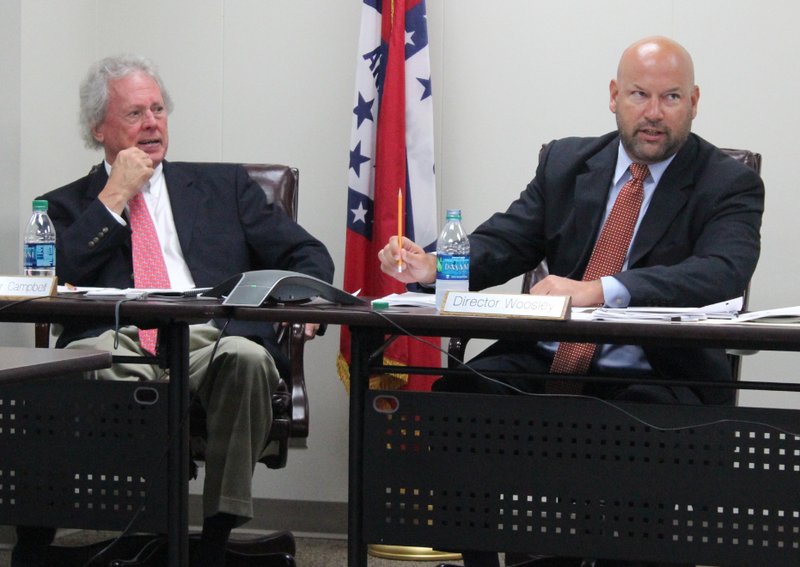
225, 226
697, 244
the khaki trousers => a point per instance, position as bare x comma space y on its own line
236, 392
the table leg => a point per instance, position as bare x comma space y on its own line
363, 341
175, 339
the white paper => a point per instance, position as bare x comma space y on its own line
411, 299
779, 316
722, 310
135, 293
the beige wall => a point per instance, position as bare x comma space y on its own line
273, 80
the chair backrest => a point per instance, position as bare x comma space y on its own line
281, 185
279, 182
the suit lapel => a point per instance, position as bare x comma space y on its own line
591, 194
183, 200
668, 199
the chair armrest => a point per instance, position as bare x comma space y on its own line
293, 344
42, 335
456, 349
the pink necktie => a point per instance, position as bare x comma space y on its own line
149, 269
607, 259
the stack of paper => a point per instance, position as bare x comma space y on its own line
725, 310
780, 316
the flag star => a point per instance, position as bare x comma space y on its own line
426, 84
363, 110
360, 213
408, 37
356, 159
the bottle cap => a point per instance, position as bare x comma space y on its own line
380, 304
454, 214
40, 205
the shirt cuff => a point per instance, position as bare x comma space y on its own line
615, 293
118, 218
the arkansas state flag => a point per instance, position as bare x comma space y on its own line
391, 149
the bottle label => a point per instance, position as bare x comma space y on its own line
453, 268
40, 255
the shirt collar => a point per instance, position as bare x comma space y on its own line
624, 162
153, 186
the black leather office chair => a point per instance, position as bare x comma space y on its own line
290, 421
290, 401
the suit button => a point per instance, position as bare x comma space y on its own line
105, 229
91, 245
95, 240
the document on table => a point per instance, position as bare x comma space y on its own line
724, 310
779, 316
132, 293
410, 299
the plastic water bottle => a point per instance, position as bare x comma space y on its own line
40, 243
452, 258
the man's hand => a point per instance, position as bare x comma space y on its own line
310, 329
129, 172
418, 266
584, 294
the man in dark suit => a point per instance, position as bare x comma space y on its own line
696, 240
212, 222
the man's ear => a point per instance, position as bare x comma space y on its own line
695, 98
613, 90
97, 132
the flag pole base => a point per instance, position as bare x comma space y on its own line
409, 553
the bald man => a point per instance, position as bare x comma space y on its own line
696, 240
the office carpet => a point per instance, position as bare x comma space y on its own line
311, 552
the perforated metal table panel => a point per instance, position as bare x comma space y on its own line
104, 446
722, 489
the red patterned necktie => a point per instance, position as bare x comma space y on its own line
149, 269
607, 259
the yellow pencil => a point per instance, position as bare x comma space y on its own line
400, 228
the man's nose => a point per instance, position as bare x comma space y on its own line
149, 119
654, 110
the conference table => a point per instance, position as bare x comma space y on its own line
550, 475
21, 364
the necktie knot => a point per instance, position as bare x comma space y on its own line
639, 172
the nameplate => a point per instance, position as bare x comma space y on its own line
23, 287
556, 307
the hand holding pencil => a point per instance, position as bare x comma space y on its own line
418, 265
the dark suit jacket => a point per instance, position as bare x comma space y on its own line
697, 244
225, 226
